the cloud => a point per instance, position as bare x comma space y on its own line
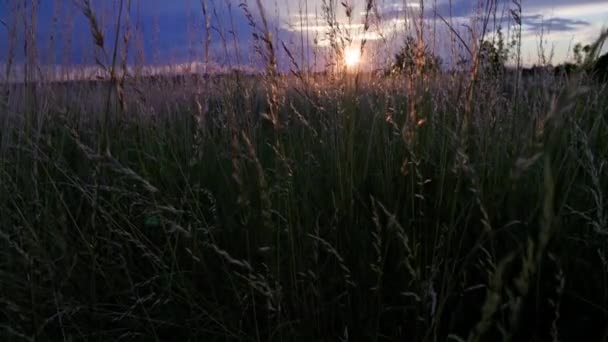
537, 23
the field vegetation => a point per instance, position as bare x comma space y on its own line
420, 203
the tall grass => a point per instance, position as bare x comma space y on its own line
303, 207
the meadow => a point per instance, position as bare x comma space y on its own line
420, 206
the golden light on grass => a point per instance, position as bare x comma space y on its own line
352, 58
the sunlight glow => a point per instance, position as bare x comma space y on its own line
352, 58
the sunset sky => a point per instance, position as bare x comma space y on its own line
173, 31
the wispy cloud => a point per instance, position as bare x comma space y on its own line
537, 22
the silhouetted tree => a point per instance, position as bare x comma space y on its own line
493, 56
600, 68
409, 59
584, 62
565, 69
581, 52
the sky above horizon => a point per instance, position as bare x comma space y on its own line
165, 32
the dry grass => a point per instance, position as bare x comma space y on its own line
421, 207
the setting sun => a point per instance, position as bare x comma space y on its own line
352, 58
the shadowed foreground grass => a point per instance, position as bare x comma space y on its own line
357, 215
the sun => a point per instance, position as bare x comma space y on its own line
352, 58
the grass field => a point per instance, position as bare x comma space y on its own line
427, 207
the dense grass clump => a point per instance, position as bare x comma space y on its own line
348, 217
425, 204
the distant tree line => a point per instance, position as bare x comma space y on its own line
494, 55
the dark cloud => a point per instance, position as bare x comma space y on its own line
548, 4
468, 8
396, 9
553, 24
